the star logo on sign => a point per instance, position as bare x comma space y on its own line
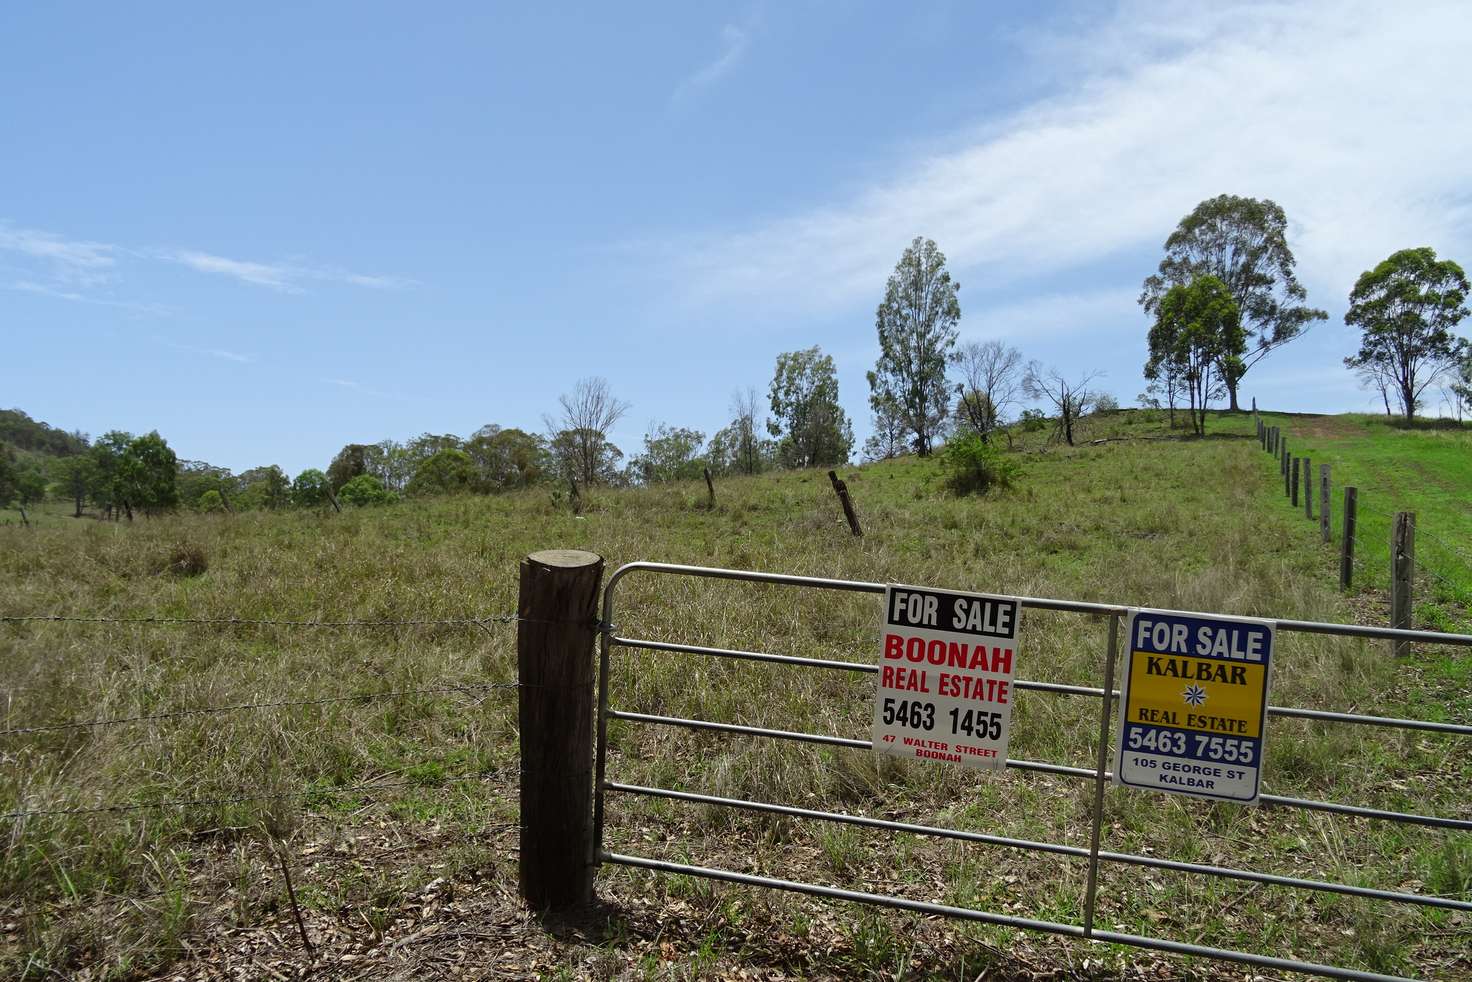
1195, 695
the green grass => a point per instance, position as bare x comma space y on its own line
1144, 519
1424, 468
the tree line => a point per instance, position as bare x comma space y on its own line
1224, 297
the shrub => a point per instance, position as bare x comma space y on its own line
1105, 404
211, 500
365, 489
184, 559
1033, 420
309, 488
446, 472
975, 467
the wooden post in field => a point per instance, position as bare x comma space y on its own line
711, 487
1324, 531
1288, 473
1308, 489
1402, 572
558, 614
1294, 468
1346, 544
841, 489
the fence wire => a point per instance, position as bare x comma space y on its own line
1453, 559
114, 808
262, 621
360, 697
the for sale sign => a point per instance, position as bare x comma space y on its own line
945, 676
1195, 698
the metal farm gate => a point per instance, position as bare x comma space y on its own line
1099, 775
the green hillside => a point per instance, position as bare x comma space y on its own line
424, 834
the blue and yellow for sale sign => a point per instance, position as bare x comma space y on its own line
1194, 698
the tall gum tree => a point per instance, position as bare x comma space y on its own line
917, 333
811, 427
1243, 242
1197, 336
1406, 308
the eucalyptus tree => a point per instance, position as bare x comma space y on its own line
811, 428
1406, 308
1244, 243
916, 322
1197, 339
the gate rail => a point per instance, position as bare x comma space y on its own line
1099, 774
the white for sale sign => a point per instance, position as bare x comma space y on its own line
945, 676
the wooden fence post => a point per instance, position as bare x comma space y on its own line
1402, 572
1324, 531
711, 487
1294, 467
1288, 476
1308, 489
1346, 544
841, 489
558, 613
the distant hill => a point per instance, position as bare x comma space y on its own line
19, 430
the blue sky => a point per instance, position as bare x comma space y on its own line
273, 229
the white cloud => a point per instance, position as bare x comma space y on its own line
734, 42
260, 274
1352, 119
286, 277
61, 293
73, 261
221, 353
359, 387
53, 265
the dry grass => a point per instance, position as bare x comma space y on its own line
1159, 523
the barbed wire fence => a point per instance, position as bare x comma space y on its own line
15, 820
1438, 570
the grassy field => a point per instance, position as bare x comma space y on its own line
396, 814
1426, 469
